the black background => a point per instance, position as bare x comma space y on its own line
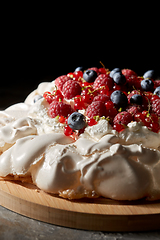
42, 49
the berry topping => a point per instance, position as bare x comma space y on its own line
88, 95
115, 70
121, 120
103, 98
60, 81
79, 103
147, 85
91, 122
96, 109
70, 89
119, 99
103, 80
68, 131
156, 106
89, 76
119, 96
60, 109
55, 96
157, 83
111, 111
136, 99
131, 94
76, 121
128, 73
94, 69
119, 78
149, 74
134, 109
157, 91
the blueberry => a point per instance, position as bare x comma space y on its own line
149, 74
119, 78
76, 121
115, 70
79, 69
137, 99
157, 91
147, 85
36, 98
89, 75
119, 98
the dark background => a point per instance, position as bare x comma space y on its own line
36, 48
27, 67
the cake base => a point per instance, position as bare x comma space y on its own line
91, 214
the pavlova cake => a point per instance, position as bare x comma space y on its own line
89, 133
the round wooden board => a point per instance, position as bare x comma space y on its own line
90, 214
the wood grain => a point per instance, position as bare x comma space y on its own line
91, 214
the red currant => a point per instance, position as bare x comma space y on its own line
88, 94
78, 103
154, 97
102, 70
118, 127
111, 111
68, 131
48, 96
61, 119
155, 127
77, 75
104, 90
139, 117
71, 75
86, 84
92, 122
57, 95
109, 105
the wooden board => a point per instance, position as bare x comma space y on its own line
91, 214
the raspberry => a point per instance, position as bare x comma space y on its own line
134, 109
128, 72
60, 109
70, 89
156, 83
156, 106
132, 79
122, 118
134, 82
103, 98
59, 82
96, 109
102, 80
